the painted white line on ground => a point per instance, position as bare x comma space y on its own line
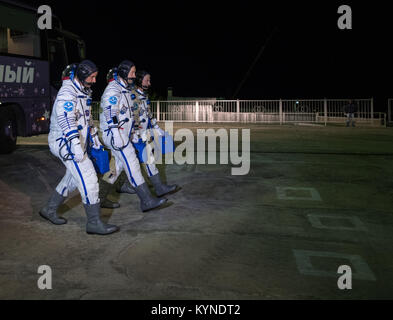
303, 260
316, 222
282, 194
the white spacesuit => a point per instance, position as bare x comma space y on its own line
70, 125
116, 125
116, 103
71, 131
145, 124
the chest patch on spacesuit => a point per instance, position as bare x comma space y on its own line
78, 115
135, 106
123, 110
113, 100
68, 106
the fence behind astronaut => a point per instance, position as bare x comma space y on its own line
323, 111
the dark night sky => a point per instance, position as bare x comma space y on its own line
204, 48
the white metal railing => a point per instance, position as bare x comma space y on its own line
390, 112
263, 111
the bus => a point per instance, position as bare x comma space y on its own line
31, 63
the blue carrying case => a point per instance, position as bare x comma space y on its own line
100, 159
166, 143
140, 147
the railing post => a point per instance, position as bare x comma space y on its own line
389, 110
280, 108
325, 110
158, 110
237, 110
197, 112
372, 109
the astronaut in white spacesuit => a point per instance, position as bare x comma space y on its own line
117, 126
148, 122
71, 132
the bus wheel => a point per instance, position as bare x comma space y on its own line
8, 133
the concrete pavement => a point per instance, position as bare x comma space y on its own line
315, 198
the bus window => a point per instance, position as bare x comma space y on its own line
18, 32
57, 60
82, 51
73, 51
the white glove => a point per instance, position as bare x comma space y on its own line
160, 131
78, 152
97, 143
117, 140
143, 136
135, 137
